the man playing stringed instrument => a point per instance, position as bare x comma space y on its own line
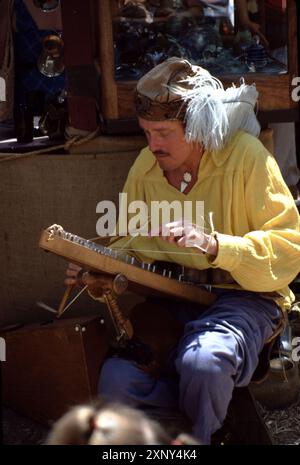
202, 145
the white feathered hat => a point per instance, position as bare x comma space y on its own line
177, 90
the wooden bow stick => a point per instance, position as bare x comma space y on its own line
62, 308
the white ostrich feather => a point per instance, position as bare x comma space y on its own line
214, 114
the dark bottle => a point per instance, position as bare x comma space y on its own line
23, 118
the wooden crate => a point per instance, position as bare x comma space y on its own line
51, 367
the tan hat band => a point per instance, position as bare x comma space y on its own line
157, 111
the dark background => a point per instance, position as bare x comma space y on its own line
298, 123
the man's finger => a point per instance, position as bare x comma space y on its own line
177, 231
98, 279
70, 282
73, 266
182, 242
72, 273
263, 39
174, 223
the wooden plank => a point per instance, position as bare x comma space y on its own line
109, 96
274, 91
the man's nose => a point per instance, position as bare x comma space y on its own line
153, 144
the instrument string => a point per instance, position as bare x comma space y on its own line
124, 248
74, 299
131, 237
89, 243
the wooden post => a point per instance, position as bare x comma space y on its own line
109, 94
79, 54
292, 39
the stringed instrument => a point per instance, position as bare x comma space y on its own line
143, 278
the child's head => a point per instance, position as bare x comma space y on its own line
109, 424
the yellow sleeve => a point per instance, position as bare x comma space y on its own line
267, 258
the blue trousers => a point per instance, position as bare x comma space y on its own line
219, 350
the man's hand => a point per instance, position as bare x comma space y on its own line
246, 23
72, 275
95, 282
254, 28
186, 234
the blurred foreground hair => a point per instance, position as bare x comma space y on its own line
112, 423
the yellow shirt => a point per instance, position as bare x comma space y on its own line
242, 186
